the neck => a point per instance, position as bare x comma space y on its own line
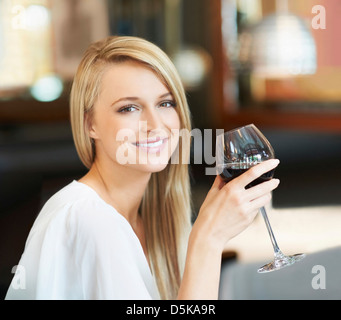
120, 186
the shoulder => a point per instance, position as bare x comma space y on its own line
74, 195
74, 192
73, 209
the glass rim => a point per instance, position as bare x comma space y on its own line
238, 128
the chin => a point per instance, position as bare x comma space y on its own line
148, 161
151, 162
152, 167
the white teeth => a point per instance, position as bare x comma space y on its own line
150, 145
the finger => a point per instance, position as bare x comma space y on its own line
261, 189
262, 201
256, 171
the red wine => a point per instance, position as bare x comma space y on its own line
234, 170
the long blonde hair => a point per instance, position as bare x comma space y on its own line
166, 205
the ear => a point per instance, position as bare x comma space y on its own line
89, 126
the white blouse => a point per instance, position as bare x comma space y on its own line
80, 247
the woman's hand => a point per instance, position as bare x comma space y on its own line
230, 208
227, 210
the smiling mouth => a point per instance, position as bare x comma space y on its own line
155, 143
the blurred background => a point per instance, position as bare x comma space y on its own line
274, 63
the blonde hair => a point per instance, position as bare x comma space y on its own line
166, 205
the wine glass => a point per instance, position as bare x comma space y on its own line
236, 152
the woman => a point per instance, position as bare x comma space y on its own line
123, 230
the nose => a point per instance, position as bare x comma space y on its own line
152, 120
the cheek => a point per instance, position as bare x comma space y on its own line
115, 129
171, 119
173, 124
114, 134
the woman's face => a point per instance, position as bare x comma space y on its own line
135, 122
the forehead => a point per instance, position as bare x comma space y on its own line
131, 77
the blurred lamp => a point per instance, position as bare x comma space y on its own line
193, 64
37, 17
281, 45
47, 88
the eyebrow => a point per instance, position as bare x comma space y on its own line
137, 98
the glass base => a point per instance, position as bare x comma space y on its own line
281, 261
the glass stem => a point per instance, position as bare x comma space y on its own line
271, 234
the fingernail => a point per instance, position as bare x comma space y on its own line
277, 180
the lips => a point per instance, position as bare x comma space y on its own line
151, 145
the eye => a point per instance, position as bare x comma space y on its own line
128, 108
168, 104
